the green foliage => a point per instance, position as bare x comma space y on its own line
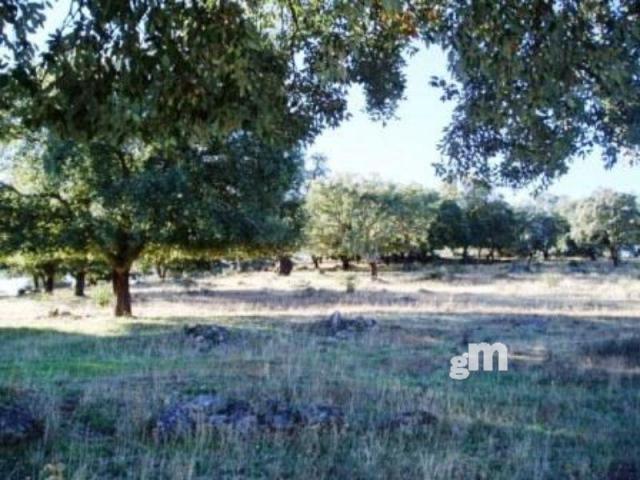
179, 124
351, 218
450, 227
102, 295
489, 219
538, 84
540, 231
608, 219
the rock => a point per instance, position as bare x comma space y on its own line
338, 326
207, 336
185, 417
59, 312
237, 415
409, 421
320, 416
215, 412
18, 425
280, 417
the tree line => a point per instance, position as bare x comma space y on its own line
345, 218
372, 220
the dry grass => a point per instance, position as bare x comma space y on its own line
567, 408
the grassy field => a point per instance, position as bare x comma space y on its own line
569, 406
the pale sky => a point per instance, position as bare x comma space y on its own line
404, 150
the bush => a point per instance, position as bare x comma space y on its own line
102, 295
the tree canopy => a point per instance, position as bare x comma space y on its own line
608, 219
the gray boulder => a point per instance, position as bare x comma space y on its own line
212, 411
204, 411
205, 337
409, 421
339, 326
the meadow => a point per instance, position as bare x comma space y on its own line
568, 407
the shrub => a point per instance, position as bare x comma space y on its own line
102, 295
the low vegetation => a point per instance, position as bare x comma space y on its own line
567, 408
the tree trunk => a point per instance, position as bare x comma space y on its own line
316, 262
80, 277
615, 257
491, 255
345, 263
286, 266
374, 269
161, 270
465, 254
123, 295
545, 254
49, 278
36, 282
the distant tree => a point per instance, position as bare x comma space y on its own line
32, 235
413, 210
609, 219
349, 218
450, 228
499, 228
490, 220
539, 231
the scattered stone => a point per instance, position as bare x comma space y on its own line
58, 312
237, 415
206, 337
188, 283
409, 421
519, 268
183, 418
340, 327
280, 417
215, 412
321, 416
17, 425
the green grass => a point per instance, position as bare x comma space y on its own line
573, 414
